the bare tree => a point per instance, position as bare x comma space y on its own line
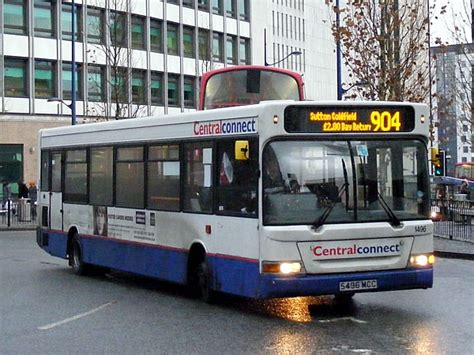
116, 50
385, 48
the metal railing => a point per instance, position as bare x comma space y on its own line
15, 213
453, 219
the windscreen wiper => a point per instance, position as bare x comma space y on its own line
327, 211
394, 221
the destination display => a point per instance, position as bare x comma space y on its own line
349, 119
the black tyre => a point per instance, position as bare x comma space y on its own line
200, 281
75, 256
344, 298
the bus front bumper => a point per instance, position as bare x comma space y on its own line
332, 284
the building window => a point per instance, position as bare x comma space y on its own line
119, 85
95, 26
15, 77
138, 32
188, 42
118, 30
156, 39
173, 39
244, 13
230, 8
156, 86
203, 44
101, 176
14, 16
75, 176
67, 81
95, 83
244, 55
44, 19
139, 91
188, 3
66, 22
45, 79
130, 177
203, 5
173, 90
231, 49
163, 177
217, 47
189, 96
217, 7
176, 2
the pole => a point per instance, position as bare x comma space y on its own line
338, 55
73, 64
265, 47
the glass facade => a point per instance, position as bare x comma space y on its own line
139, 87
156, 87
67, 81
188, 42
95, 83
173, 39
156, 38
101, 82
14, 17
66, 22
138, 32
44, 18
95, 25
45, 79
15, 77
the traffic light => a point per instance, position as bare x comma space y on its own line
440, 164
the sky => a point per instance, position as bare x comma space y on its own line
458, 13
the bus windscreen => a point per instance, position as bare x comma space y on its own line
349, 119
247, 87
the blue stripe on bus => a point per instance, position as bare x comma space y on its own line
237, 276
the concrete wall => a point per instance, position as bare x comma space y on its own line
24, 131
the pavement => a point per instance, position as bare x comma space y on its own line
443, 246
450, 248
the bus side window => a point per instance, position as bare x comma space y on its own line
237, 180
197, 192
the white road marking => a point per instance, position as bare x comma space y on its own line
352, 319
76, 317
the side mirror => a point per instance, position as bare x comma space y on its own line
242, 150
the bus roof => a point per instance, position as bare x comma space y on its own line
196, 124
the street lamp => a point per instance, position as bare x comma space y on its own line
265, 51
361, 83
73, 64
281, 60
72, 105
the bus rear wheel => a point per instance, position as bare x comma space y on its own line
75, 257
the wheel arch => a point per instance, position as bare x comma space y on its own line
197, 253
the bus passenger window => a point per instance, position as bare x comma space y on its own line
198, 177
237, 180
163, 177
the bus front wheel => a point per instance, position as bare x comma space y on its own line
200, 280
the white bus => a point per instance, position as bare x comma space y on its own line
272, 200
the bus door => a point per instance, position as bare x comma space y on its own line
55, 195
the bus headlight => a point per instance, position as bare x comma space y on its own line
422, 260
283, 267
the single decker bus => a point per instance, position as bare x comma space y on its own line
282, 198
